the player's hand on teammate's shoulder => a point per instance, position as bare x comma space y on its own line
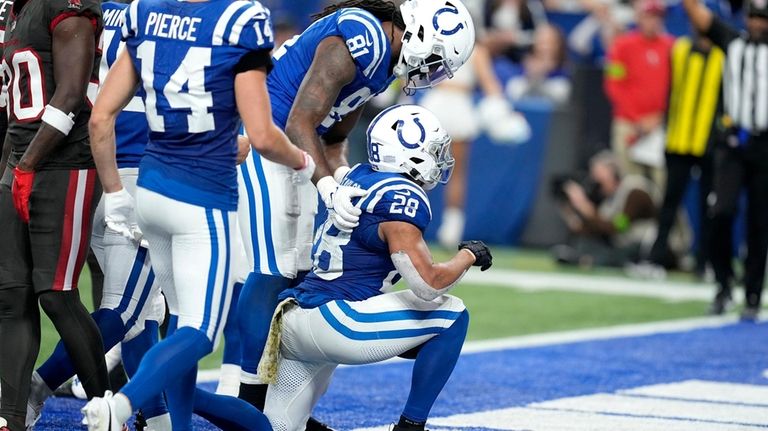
338, 200
482, 253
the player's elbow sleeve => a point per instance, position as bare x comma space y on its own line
415, 281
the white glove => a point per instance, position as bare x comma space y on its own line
338, 200
340, 173
304, 174
118, 215
501, 123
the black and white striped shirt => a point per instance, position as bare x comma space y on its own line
745, 78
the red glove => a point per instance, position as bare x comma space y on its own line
21, 189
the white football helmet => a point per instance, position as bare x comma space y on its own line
409, 139
438, 38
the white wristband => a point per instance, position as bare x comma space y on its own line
57, 119
340, 172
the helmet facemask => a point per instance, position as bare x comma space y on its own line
426, 73
435, 168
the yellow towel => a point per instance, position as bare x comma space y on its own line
267, 369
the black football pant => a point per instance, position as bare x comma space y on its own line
678, 173
736, 169
41, 262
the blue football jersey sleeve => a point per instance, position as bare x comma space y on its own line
245, 24
365, 40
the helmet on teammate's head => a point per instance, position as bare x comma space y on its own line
438, 38
409, 139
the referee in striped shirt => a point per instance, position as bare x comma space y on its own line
745, 164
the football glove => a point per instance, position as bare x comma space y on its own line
21, 189
118, 215
482, 253
338, 198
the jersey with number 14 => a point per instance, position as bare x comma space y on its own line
367, 43
356, 266
186, 54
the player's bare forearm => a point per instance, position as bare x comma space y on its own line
407, 238
74, 44
700, 16
332, 68
117, 90
253, 104
336, 145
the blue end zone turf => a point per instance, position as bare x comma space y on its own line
374, 395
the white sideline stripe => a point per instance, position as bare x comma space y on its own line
660, 408
530, 419
575, 336
700, 390
537, 281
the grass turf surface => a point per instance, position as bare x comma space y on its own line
503, 312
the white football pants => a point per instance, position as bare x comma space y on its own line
191, 255
130, 286
314, 341
276, 217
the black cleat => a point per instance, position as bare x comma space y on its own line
315, 425
140, 424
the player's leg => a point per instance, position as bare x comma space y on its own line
61, 214
380, 328
298, 388
679, 170
229, 377
128, 283
19, 313
757, 231
268, 212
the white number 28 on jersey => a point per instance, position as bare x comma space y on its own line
190, 73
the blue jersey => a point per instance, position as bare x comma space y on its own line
131, 131
186, 54
367, 43
356, 266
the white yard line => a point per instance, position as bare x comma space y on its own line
613, 285
564, 337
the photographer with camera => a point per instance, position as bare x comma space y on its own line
611, 216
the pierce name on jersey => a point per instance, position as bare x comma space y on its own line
28, 74
356, 266
131, 131
186, 54
367, 43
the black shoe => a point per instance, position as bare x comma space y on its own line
401, 428
750, 313
140, 424
720, 305
315, 425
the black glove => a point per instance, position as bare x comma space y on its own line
482, 253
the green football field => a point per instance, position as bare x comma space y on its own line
505, 310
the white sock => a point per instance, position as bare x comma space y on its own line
113, 357
123, 409
229, 380
159, 423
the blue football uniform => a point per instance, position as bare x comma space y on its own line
131, 132
186, 54
356, 266
370, 49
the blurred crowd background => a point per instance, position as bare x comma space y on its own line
582, 127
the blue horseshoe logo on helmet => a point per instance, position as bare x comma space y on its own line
406, 144
454, 10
